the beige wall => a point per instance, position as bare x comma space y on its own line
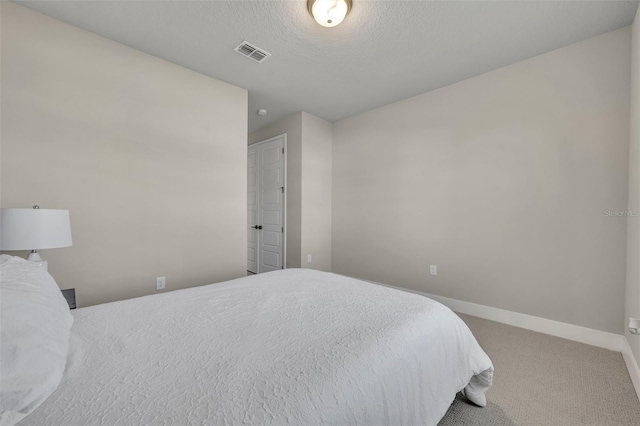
633, 221
316, 192
292, 126
149, 158
502, 181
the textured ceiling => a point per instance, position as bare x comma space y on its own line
384, 51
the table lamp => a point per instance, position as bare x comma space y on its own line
34, 229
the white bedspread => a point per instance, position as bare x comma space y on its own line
294, 346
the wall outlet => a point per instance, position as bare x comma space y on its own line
160, 283
309, 258
433, 269
634, 325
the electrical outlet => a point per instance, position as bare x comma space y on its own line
433, 269
634, 325
160, 283
309, 258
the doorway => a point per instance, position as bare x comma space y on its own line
266, 193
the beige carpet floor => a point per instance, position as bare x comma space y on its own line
544, 380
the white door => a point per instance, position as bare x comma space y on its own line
252, 210
266, 202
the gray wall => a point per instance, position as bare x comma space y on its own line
503, 181
633, 221
317, 147
149, 158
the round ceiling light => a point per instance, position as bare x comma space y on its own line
329, 13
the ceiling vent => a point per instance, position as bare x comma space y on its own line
252, 52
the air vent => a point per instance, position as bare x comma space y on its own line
252, 52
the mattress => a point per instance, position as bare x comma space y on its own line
287, 347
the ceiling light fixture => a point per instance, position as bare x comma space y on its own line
329, 13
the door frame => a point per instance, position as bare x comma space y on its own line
284, 198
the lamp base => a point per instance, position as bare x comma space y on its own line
34, 256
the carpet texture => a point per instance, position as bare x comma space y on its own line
545, 380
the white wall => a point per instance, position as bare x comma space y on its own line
149, 158
633, 221
502, 181
317, 144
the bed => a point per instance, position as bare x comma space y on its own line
295, 346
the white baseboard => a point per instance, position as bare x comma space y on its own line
632, 365
589, 336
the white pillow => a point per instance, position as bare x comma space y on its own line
34, 337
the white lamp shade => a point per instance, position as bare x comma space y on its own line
34, 229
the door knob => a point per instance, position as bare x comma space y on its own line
260, 227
